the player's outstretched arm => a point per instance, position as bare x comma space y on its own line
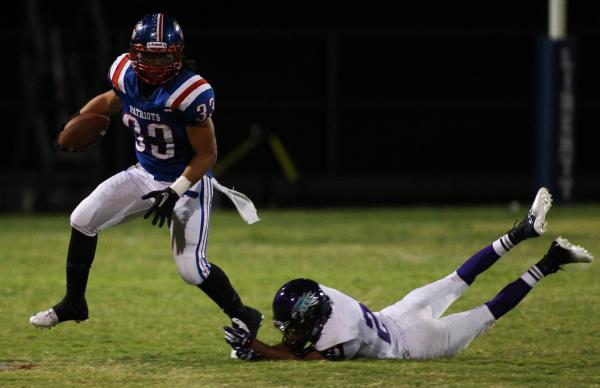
281, 352
244, 344
275, 352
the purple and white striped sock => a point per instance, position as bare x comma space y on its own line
503, 245
532, 276
484, 259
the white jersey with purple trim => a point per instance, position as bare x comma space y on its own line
159, 122
353, 331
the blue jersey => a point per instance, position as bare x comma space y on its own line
159, 122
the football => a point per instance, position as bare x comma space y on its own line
83, 130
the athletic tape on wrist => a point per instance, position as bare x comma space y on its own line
181, 185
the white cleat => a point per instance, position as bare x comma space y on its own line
534, 224
562, 252
573, 253
540, 207
44, 319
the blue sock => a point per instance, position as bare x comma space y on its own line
478, 263
484, 259
508, 298
511, 295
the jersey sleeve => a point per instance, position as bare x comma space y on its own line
343, 323
195, 98
116, 74
201, 108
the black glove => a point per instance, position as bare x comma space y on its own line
248, 355
60, 129
237, 337
164, 202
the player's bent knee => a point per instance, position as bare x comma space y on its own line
81, 222
191, 277
192, 270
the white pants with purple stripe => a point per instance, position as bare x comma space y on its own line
118, 200
428, 335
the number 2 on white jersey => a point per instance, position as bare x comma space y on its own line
370, 318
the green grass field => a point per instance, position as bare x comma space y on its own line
148, 328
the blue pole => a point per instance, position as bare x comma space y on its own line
555, 105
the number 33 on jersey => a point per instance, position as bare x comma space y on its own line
159, 122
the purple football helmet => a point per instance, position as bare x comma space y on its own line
300, 310
156, 49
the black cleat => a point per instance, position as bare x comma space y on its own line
70, 312
252, 318
534, 223
63, 311
562, 252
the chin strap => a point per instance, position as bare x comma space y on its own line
242, 203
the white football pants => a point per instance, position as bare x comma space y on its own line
426, 335
118, 200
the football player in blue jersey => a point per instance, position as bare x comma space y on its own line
318, 322
168, 109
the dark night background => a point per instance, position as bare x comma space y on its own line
376, 103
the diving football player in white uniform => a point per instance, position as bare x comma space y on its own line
319, 322
168, 107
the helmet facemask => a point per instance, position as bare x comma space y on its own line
156, 63
299, 336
